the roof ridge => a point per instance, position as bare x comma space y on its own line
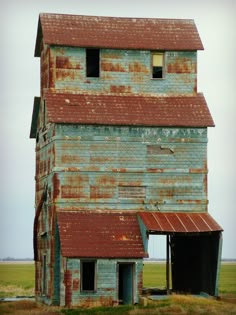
146, 33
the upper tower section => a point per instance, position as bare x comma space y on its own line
113, 55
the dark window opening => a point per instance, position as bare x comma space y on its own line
157, 65
88, 276
92, 63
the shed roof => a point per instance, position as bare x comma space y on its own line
169, 222
117, 32
100, 235
182, 111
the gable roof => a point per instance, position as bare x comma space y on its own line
179, 222
100, 235
117, 32
129, 110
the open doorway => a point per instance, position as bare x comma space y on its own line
158, 282
125, 283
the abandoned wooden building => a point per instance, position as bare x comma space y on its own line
121, 153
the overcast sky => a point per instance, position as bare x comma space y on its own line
19, 82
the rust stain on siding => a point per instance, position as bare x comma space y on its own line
114, 67
63, 62
76, 284
51, 71
182, 65
68, 285
120, 89
64, 74
56, 186
137, 67
71, 159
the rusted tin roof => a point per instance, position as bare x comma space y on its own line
94, 234
117, 32
181, 111
169, 222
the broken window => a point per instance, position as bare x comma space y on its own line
92, 63
88, 275
157, 65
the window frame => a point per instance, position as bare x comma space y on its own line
163, 65
82, 289
98, 63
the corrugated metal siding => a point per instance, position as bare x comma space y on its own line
94, 162
123, 71
106, 293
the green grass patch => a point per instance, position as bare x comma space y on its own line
154, 275
16, 279
228, 278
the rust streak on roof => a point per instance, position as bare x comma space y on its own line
117, 32
96, 234
178, 222
181, 111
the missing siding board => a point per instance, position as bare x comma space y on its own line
132, 192
153, 149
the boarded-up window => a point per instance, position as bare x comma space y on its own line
157, 65
153, 149
132, 191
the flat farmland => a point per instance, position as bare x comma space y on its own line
18, 278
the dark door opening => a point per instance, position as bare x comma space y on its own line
194, 263
125, 283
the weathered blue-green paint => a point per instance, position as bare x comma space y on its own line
86, 167
123, 71
106, 282
93, 164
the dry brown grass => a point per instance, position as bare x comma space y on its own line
175, 305
14, 290
187, 305
27, 308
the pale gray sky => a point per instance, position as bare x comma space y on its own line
19, 82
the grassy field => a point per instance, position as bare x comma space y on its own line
18, 279
154, 275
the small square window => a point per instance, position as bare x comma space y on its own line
88, 272
157, 65
92, 63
